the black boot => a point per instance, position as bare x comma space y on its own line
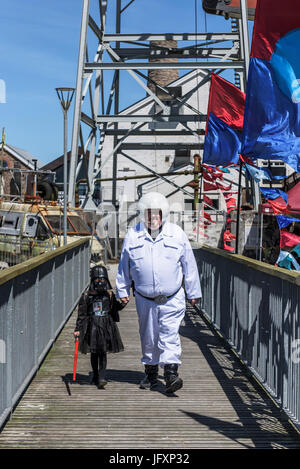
151, 374
102, 369
98, 362
94, 363
173, 382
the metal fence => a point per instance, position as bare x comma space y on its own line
255, 306
36, 299
115, 224
16, 250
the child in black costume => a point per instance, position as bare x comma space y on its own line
96, 323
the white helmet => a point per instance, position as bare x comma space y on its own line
153, 200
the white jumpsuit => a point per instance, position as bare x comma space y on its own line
158, 267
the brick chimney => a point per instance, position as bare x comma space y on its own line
162, 77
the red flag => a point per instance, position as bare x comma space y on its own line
212, 177
231, 205
218, 173
208, 177
279, 206
227, 102
288, 239
208, 217
274, 19
207, 200
209, 187
228, 236
208, 203
228, 195
228, 248
223, 188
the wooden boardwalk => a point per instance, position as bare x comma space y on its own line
217, 408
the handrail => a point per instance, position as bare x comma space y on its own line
26, 266
284, 274
255, 307
41, 292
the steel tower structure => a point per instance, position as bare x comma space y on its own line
121, 51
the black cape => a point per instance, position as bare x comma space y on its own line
99, 333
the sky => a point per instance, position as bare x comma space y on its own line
39, 42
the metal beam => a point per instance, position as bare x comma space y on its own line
133, 74
151, 118
146, 53
245, 36
156, 174
87, 120
219, 49
161, 146
78, 102
94, 27
89, 67
154, 133
116, 111
171, 36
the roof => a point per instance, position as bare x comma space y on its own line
23, 156
58, 162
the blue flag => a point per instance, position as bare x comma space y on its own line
285, 221
272, 110
272, 193
287, 260
225, 115
258, 174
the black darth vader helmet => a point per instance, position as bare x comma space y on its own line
100, 272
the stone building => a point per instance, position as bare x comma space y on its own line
16, 166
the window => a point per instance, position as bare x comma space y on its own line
79, 224
182, 157
3, 163
82, 189
11, 222
188, 204
42, 232
75, 225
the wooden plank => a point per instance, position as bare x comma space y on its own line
217, 408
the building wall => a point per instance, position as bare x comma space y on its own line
12, 182
157, 159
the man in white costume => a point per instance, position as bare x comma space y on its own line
157, 256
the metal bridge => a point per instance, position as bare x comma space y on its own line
241, 349
241, 379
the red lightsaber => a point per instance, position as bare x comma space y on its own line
75, 358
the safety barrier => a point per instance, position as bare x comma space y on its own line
36, 299
255, 307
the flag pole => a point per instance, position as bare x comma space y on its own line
238, 209
200, 205
246, 54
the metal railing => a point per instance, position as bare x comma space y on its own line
14, 250
255, 306
36, 299
116, 224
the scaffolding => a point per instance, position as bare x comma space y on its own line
136, 53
